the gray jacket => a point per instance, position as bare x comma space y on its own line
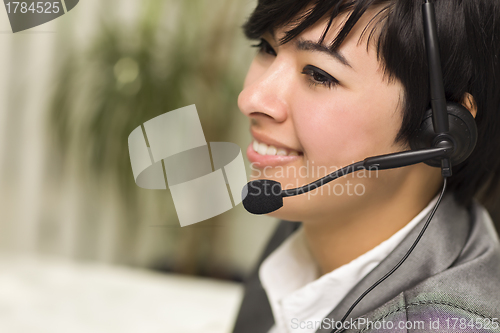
450, 283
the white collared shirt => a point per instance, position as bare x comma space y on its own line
299, 297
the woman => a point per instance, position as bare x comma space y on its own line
335, 82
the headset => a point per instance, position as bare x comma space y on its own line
446, 137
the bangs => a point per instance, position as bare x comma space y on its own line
271, 15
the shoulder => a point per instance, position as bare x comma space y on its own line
436, 315
465, 297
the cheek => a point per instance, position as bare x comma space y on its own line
342, 126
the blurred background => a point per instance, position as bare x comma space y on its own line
75, 230
82, 248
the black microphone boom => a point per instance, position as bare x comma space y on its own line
263, 196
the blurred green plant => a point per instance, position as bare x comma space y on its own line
175, 54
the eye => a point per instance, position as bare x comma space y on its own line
265, 47
317, 77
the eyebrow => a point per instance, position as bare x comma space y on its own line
307, 45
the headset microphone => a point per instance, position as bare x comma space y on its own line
264, 196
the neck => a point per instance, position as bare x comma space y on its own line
334, 242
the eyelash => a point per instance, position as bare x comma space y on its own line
265, 47
324, 79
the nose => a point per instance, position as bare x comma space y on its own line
266, 91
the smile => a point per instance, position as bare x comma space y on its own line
263, 155
264, 149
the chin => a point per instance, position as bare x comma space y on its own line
304, 207
324, 204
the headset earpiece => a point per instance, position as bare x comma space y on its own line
447, 125
462, 132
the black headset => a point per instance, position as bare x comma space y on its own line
446, 123
446, 137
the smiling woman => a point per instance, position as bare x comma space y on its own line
332, 111
337, 81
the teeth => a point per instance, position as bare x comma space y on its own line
271, 150
281, 152
255, 145
264, 149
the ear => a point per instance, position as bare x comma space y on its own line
470, 103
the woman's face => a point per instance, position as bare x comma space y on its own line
312, 112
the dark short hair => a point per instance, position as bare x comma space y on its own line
469, 36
